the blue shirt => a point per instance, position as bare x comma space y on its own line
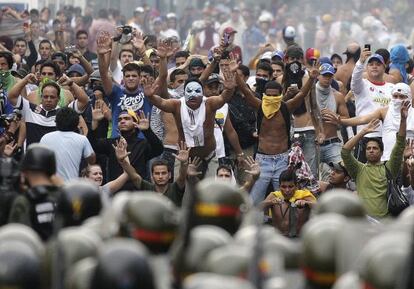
121, 100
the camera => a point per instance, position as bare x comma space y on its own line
70, 49
6, 119
126, 35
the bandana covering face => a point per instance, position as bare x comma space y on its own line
271, 105
193, 90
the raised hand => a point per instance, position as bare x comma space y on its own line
409, 148
149, 87
76, 53
31, 78
229, 81
183, 153
254, 167
9, 149
372, 126
365, 53
165, 49
143, 121
404, 109
314, 72
121, 150
97, 111
65, 80
138, 41
104, 42
193, 165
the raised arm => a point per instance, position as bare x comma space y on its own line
371, 127
167, 105
182, 156
249, 95
229, 83
78, 92
357, 84
129, 171
253, 171
297, 100
218, 51
104, 46
16, 90
333, 118
164, 51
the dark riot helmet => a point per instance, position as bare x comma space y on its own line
341, 202
40, 158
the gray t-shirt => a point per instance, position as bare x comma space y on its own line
69, 147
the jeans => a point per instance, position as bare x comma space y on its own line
330, 153
270, 168
308, 145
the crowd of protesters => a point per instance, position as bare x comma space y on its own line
215, 110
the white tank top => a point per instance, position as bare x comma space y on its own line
221, 117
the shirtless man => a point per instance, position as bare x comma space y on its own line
329, 98
344, 72
195, 115
274, 130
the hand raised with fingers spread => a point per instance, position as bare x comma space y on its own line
138, 42
97, 111
254, 167
372, 126
143, 121
104, 42
183, 153
150, 88
404, 109
121, 150
229, 81
192, 169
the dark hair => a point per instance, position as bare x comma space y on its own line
20, 39
273, 85
9, 58
34, 12
52, 84
54, 66
67, 119
131, 67
280, 63
355, 56
150, 38
127, 50
244, 69
40, 62
336, 55
384, 53
288, 175
224, 167
160, 162
45, 41
265, 66
102, 13
80, 32
377, 140
410, 66
148, 69
182, 53
176, 72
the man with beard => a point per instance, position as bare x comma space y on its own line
195, 115
274, 130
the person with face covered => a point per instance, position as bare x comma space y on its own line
273, 123
195, 115
389, 115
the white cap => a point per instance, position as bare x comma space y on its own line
140, 9
171, 15
266, 55
265, 18
289, 32
402, 88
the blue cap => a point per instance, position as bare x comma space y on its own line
76, 68
324, 60
326, 68
278, 53
376, 57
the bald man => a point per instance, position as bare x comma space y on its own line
344, 72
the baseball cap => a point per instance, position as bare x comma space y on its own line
402, 88
279, 54
289, 32
76, 68
229, 30
312, 53
376, 57
339, 166
325, 59
326, 68
266, 55
214, 77
140, 9
171, 15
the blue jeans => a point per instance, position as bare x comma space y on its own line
331, 153
307, 143
270, 168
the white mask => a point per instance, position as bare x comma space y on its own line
193, 90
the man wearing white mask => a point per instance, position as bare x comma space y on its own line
389, 115
194, 115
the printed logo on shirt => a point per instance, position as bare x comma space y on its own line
134, 102
219, 119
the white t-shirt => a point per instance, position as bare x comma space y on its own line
117, 74
69, 147
369, 96
221, 117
